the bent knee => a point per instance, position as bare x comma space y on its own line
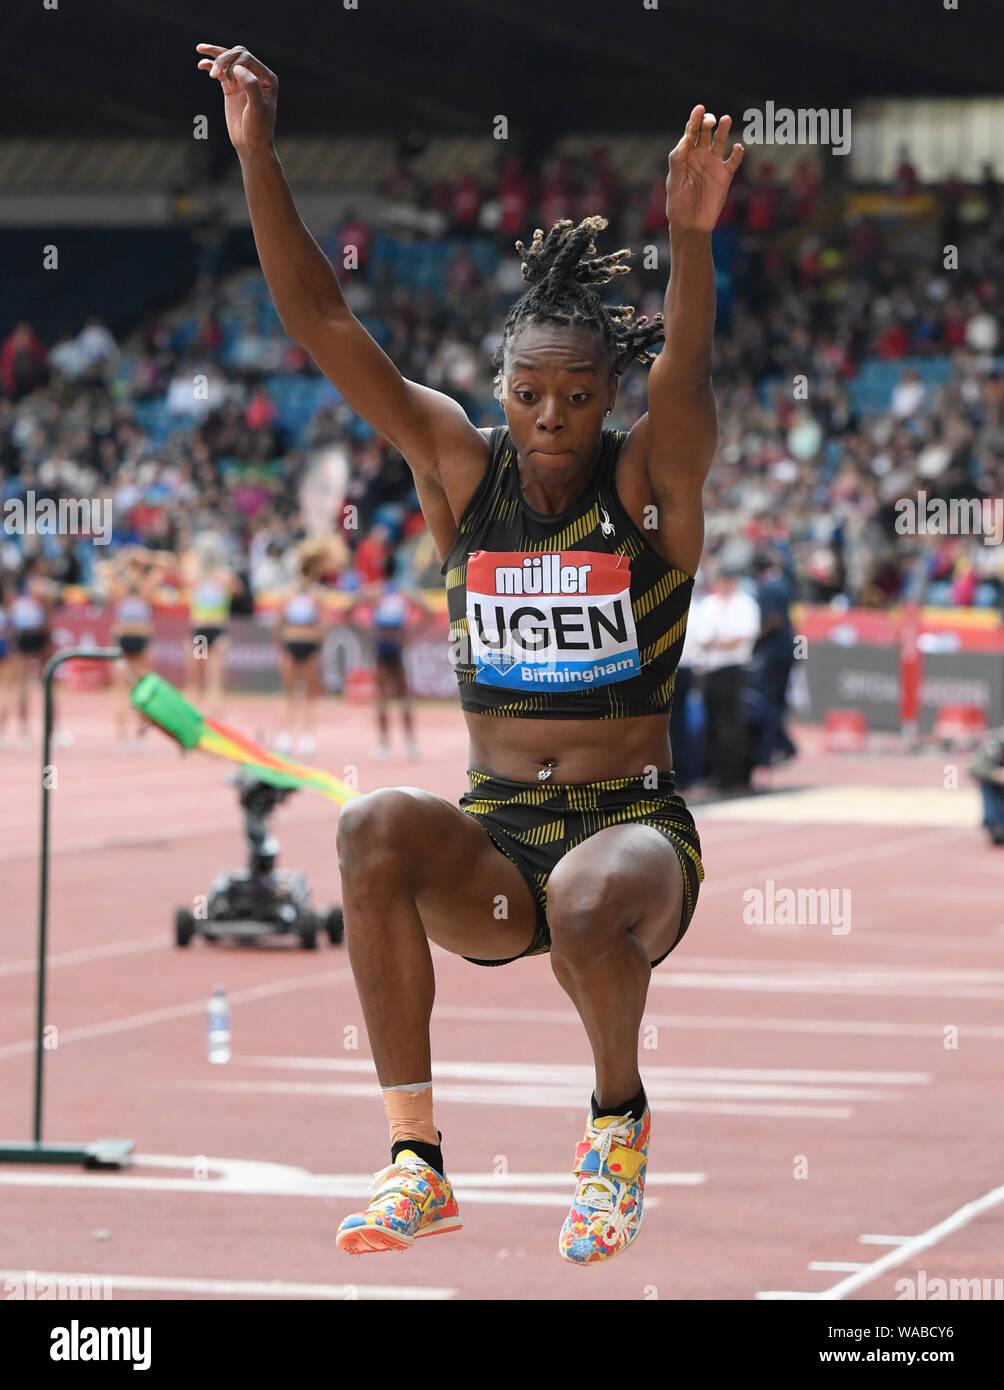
380, 824
586, 908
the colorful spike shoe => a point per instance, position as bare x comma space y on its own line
610, 1166
411, 1200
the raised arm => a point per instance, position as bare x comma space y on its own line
443, 449
676, 440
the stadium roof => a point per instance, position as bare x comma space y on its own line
128, 66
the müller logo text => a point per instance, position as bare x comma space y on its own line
542, 574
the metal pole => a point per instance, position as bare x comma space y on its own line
43, 892
48, 671
105, 1153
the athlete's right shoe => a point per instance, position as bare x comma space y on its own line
412, 1200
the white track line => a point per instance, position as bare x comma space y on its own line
534, 1097
557, 1073
185, 830
865, 936
866, 1028
88, 953
912, 844
828, 966
778, 978
347, 1189
253, 1288
906, 1247
250, 1177
657, 1090
727, 1022
174, 1011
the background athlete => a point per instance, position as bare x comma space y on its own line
30, 615
302, 623
384, 608
211, 586
131, 583
605, 874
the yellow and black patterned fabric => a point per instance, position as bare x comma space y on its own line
534, 825
571, 616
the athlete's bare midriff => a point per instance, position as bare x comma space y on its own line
575, 750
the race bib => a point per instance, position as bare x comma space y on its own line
133, 609
300, 611
550, 621
391, 611
27, 613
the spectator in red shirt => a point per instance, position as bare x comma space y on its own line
514, 194
894, 341
23, 362
954, 327
761, 207
805, 190
261, 410
654, 219
370, 558
905, 182
466, 205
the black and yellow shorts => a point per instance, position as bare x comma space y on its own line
535, 825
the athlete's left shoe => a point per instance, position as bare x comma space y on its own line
606, 1212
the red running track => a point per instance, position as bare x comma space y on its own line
817, 1125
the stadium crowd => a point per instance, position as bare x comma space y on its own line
857, 363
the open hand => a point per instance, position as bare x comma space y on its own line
250, 92
699, 175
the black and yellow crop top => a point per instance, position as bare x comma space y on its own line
571, 616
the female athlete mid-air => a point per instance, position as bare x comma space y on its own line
568, 553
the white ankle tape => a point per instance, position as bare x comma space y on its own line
411, 1086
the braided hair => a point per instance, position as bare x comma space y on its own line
560, 266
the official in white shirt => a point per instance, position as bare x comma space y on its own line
724, 626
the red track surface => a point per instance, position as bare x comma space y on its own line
770, 1043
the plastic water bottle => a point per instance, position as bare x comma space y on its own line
219, 1026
